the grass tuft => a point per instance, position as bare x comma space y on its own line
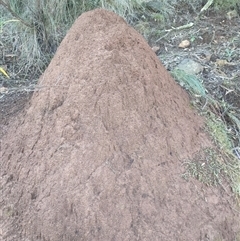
189, 82
41, 25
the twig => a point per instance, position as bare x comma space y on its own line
189, 25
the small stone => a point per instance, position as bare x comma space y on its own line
155, 48
190, 66
221, 62
3, 90
184, 44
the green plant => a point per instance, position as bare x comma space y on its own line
143, 27
218, 165
229, 54
192, 38
189, 82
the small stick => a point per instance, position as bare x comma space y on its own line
189, 25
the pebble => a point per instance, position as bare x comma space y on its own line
190, 66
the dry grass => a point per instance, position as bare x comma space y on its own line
33, 29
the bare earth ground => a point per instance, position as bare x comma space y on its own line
97, 153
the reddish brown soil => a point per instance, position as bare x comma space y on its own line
97, 153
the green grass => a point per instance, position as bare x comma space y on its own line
41, 25
190, 83
225, 4
40, 29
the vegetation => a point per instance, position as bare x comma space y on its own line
225, 4
215, 165
34, 28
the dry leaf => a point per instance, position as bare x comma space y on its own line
221, 62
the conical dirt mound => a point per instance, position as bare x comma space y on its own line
98, 153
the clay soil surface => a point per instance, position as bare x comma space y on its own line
97, 152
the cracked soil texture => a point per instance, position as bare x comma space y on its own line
98, 152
